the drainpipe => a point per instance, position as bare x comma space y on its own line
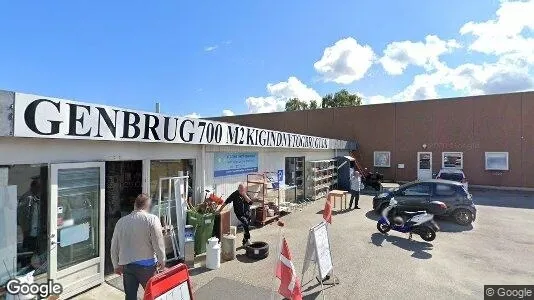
203, 179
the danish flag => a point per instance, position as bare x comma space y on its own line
327, 212
285, 271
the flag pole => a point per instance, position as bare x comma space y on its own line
276, 258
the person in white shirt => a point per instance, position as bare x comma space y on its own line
355, 181
137, 247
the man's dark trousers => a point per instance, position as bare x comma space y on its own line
133, 276
245, 220
354, 196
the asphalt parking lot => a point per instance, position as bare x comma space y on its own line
497, 249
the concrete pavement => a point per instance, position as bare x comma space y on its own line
497, 249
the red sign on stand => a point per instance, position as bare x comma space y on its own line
173, 283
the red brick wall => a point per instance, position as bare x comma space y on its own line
472, 125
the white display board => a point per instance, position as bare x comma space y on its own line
318, 250
74, 234
180, 292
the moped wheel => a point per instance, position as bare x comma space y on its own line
427, 234
383, 228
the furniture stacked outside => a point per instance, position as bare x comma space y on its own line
322, 177
264, 191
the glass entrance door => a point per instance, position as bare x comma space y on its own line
76, 226
424, 165
295, 175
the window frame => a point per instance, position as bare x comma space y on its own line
451, 187
507, 155
375, 153
444, 154
429, 185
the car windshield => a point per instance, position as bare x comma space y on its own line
452, 176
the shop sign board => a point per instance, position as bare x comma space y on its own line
44, 117
318, 250
234, 163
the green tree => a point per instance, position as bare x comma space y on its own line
295, 104
313, 104
341, 99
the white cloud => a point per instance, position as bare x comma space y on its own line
345, 62
377, 99
293, 88
398, 55
508, 38
228, 113
193, 116
279, 93
468, 79
502, 76
505, 33
264, 104
211, 48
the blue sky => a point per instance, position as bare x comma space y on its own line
206, 57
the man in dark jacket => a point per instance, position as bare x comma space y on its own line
241, 202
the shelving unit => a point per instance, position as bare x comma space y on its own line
322, 177
263, 189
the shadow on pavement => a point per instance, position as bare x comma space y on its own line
512, 199
369, 192
316, 285
336, 211
223, 288
371, 215
198, 270
245, 259
449, 226
314, 295
310, 286
419, 248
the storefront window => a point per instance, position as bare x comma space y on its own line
453, 160
497, 161
169, 168
23, 239
78, 215
382, 159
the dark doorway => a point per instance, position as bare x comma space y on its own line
295, 175
124, 182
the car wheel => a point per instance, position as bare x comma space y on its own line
463, 217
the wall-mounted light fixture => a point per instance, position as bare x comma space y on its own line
424, 146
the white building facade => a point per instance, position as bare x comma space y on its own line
70, 170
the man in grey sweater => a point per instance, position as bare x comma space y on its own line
137, 247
